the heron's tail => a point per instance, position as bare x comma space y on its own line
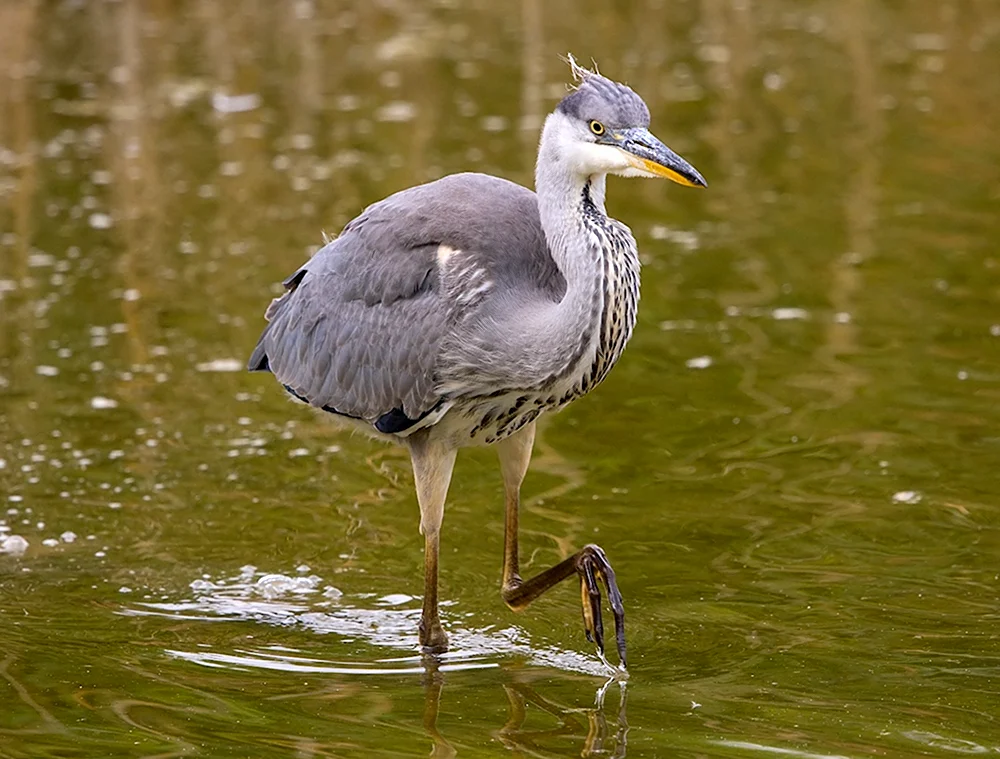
258, 359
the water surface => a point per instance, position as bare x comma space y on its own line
793, 468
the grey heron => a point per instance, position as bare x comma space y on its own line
456, 312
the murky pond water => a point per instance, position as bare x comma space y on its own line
793, 468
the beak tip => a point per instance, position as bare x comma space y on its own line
694, 177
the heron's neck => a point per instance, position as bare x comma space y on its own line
564, 201
581, 239
563, 195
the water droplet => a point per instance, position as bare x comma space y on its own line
787, 314
698, 362
101, 221
15, 545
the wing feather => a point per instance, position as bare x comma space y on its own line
342, 342
361, 326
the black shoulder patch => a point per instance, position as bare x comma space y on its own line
394, 421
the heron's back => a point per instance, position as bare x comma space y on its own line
492, 219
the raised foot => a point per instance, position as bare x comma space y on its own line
593, 567
433, 639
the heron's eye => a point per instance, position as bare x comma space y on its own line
597, 128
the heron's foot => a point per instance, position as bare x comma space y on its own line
593, 567
433, 639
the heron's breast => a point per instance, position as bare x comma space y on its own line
615, 320
483, 418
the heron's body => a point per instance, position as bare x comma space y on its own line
442, 271
456, 312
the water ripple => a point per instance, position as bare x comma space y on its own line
386, 622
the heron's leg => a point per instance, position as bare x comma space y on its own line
432, 467
589, 562
514, 453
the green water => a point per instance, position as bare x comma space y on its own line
793, 469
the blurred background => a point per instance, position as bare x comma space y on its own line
793, 468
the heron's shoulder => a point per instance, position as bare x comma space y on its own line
468, 187
392, 249
491, 220
461, 210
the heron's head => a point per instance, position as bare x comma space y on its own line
602, 127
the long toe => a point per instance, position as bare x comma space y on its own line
593, 567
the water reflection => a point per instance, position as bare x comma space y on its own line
388, 622
602, 739
562, 724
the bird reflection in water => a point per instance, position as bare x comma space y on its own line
600, 737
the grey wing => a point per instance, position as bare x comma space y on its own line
358, 332
361, 329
